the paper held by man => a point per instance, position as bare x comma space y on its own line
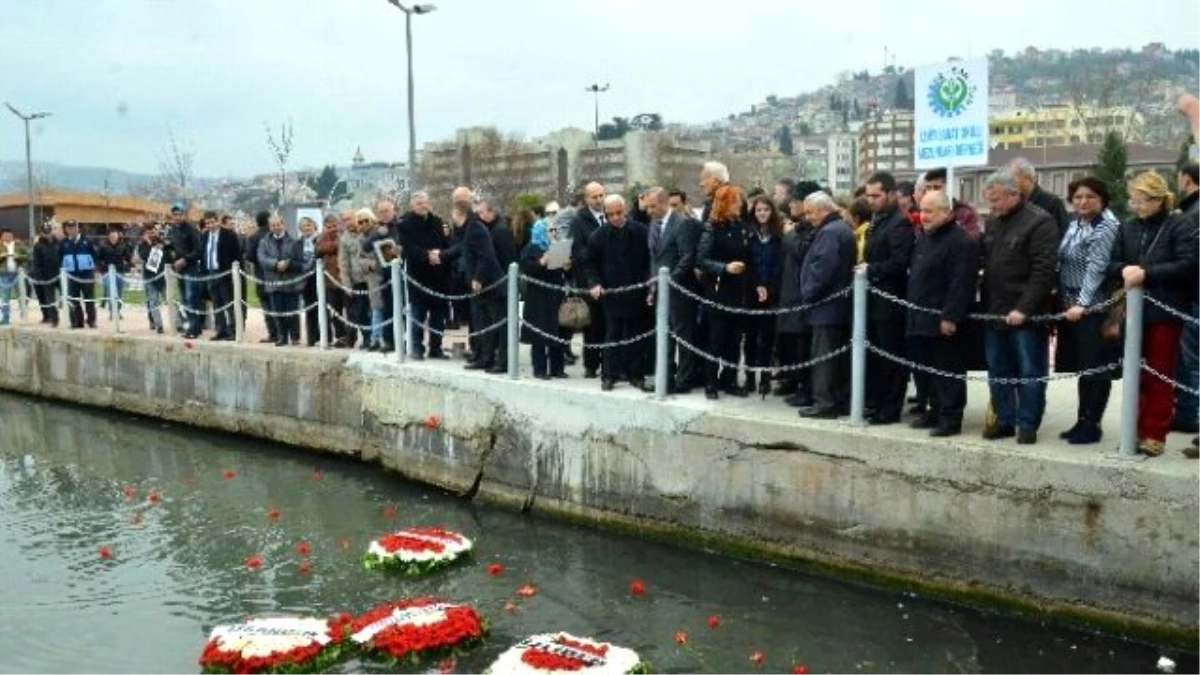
558, 254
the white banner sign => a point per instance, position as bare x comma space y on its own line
951, 125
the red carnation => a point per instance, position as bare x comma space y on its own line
303, 549
273, 514
714, 621
681, 638
228, 474
799, 669
495, 569
305, 568
510, 607
105, 553
154, 497
254, 562
433, 422
446, 666
527, 591
637, 588
318, 474
129, 491
188, 344
757, 659
389, 512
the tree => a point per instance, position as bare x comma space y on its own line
1111, 164
804, 128
785, 141
613, 131
328, 186
175, 169
772, 100
903, 99
281, 150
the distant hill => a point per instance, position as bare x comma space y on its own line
76, 178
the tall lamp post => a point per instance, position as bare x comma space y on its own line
412, 125
596, 90
28, 160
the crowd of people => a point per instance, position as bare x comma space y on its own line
760, 289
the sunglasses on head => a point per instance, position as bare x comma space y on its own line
364, 221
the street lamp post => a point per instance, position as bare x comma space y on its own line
28, 160
596, 90
412, 125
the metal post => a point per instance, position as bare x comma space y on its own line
412, 122
1131, 372
114, 309
62, 299
951, 183
322, 305
514, 319
858, 350
169, 289
239, 321
29, 178
662, 333
398, 312
22, 295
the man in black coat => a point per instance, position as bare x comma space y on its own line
423, 239
185, 243
828, 268
888, 250
221, 250
44, 265
672, 241
1022, 170
587, 220
943, 280
618, 254
483, 270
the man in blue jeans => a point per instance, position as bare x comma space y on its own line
1020, 252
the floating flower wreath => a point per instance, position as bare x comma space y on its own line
562, 652
416, 551
415, 632
281, 644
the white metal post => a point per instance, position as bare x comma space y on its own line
114, 308
514, 319
399, 323
1131, 373
22, 295
169, 289
322, 305
858, 350
239, 320
662, 333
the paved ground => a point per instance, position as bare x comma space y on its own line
1060, 409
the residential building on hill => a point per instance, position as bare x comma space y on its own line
1059, 125
886, 144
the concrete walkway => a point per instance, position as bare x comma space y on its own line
1060, 408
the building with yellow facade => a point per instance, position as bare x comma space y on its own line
1062, 125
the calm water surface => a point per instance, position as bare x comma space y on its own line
178, 568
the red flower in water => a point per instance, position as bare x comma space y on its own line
303, 549
105, 553
757, 659
254, 562
228, 474
714, 621
318, 474
433, 423
799, 669
527, 591
273, 514
495, 569
305, 568
154, 497
510, 607
129, 491
681, 638
188, 344
637, 588
447, 666
389, 512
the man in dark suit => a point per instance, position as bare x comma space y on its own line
221, 249
673, 240
1026, 176
587, 220
887, 253
483, 270
422, 239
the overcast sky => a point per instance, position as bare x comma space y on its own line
120, 74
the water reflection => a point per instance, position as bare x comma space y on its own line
178, 567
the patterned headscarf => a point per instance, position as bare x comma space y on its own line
539, 235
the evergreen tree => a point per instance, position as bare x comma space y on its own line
1111, 164
785, 141
327, 185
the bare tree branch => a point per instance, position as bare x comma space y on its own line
176, 177
281, 150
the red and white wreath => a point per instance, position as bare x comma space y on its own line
414, 632
282, 644
563, 652
416, 551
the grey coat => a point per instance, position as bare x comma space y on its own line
358, 267
270, 252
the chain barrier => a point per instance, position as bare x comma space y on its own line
760, 369
571, 290
350, 291
57, 278
452, 298
1186, 318
600, 345
292, 312
1181, 387
1015, 381
359, 326
1041, 318
80, 298
205, 277
282, 282
769, 311
201, 312
488, 329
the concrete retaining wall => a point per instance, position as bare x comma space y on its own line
1082, 535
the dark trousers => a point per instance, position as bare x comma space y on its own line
389, 311
685, 368
47, 296
1093, 392
312, 315
358, 311
830, 378
627, 361
947, 395
594, 334
286, 326
887, 381
431, 310
544, 355
486, 310
245, 298
759, 347
724, 338
81, 296
793, 348
1187, 407
221, 292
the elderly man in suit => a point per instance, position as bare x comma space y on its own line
673, 238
